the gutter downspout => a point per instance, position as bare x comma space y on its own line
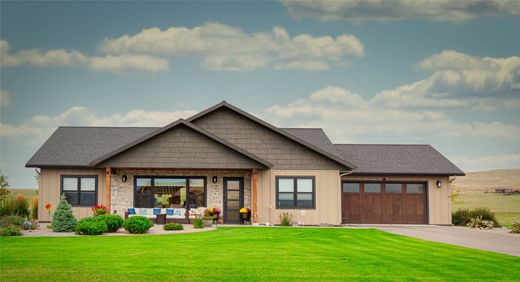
343, 173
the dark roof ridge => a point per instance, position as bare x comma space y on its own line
382, 144
273, 128
170, 126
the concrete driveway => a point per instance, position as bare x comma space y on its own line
497, 240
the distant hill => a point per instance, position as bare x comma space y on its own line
482, 181
29, 193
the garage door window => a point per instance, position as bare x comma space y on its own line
414, 188
393, 188
351, 187
372, 188
295, 192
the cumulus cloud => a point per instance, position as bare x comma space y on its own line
435, 10
460, 80
39, 127
347, 117
5, 97
228, 48
73, 58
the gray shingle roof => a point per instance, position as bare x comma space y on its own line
314, 136
397, 159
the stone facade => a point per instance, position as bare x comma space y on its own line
123, 192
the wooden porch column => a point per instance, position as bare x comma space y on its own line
108, 176
255, 195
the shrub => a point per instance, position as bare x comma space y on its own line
515, 228
480, 223
34, 208
463, 217
173, 226
91, 226
63, 220
10, 230
22, 206
30, 224
113, 221
7, 206
12, 220
137, 224
286, 219
198, 223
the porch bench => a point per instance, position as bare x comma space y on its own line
172, 214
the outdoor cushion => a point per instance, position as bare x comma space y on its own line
156, 211
142, 212
131, 211
169, 211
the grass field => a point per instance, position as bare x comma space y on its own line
28, 193
506, 208
241, 254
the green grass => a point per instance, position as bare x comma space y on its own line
506, 208
239, 254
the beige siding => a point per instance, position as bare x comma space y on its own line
282, 152
49, 190
439, 200
328, 204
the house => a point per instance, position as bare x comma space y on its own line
227, 158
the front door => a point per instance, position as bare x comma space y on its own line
233, 198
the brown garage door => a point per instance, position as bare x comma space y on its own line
370, 202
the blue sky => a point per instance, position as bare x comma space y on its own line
440, 73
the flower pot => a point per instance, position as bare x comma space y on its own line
208, 222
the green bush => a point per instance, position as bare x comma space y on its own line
30, 224
515, 228
113, 221
63, 219
286, 219
12, 220
462, 217
173, 226
198, 223
91, 226
7, 206
137, 224
22, 206
14, 206
10, 230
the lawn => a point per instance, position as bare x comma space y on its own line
249, 254
506, 208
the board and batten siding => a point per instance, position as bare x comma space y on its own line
327, 192
438, 199
50, 186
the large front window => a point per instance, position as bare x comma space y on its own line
79, 190
295, 192
170, 192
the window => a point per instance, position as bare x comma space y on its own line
80, 190
414, 188
295, 192
169, 192
372, 188
351, 187
393, 188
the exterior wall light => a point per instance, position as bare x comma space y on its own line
214, 179
439, 184
124, 178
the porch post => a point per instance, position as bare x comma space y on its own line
254, 208
108, 176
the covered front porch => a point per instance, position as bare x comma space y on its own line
176, 192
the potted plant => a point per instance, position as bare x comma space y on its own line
245, 215
99, 209
215, 213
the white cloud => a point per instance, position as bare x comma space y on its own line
476, 163
460, 80
73, 58
39, 127
224, 47
347, 117
435, 10
5, 98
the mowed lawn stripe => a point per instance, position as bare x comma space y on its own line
249, 254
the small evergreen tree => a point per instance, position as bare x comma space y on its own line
63, 219
4, 185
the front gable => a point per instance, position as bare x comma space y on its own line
263, 141
180, 146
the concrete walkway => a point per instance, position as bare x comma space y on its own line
497, 240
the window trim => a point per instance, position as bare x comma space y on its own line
295, 193
187, 178
79, 177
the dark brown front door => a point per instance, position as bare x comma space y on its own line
384, 203
233, 198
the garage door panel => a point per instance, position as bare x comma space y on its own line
392, 208
352, 212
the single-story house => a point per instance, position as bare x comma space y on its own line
227, 158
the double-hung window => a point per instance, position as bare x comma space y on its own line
295, 192
80, 190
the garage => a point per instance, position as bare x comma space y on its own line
384, 202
